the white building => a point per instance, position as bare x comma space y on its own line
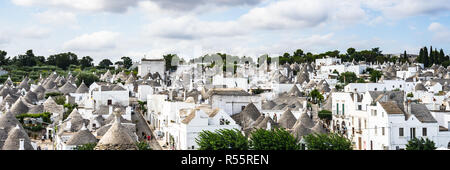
152, 66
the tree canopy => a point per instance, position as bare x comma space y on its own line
420, 144
331, 141
275, 139
222, 139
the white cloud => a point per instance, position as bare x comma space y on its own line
407, 8
96, 41
117, 6
35, 32
56, 18
440, 32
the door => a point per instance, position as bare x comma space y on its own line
371, 145
359, 143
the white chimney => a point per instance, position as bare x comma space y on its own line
110, 109
269, 126
22, 144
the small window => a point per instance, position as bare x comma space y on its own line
193, 147
400, 132
382, 131
109, 102
359, 107
375, 130
424, 131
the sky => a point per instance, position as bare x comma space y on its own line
192, 28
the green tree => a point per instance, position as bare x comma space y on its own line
316, 96
86, 61
375, 75
276, 139
143, 145
331, 141
105, 63
172, 61
348, 77
127, 62
89, 146
222, 139
425, 57
420, 144
88, 78
3, 59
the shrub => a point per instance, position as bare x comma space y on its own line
276, 139
327, 142
222, 139
325, 115
420, 144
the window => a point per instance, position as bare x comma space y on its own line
412, 132
382, 131
375, 130
109, 102
365, 124
337, 108
342, 109
424, 131
400, 132
359, 107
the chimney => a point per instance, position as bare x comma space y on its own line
22, 144
110, 109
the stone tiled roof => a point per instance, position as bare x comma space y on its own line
82, 88
117, 137
68, 88
13, 140
84, 136
391, 107
287, 120
421, 112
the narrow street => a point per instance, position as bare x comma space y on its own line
143, 126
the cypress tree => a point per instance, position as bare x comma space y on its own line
405, 57
431, 61
420, 58
425, 57
441, 56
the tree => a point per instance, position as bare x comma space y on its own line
172, 61
87, 78
26, 60
105, 63
425, 57
331, 141
316, 96
351, 51
89, 146
348, 77
276, 139
375, 75
222, 139
420, 144
3, 59
86, 61
127, 62
143, 145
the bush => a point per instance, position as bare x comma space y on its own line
45, 116
143, 145
327, 142
53, 94
222, 139
89, 146
420, 144
277, 139
325, 115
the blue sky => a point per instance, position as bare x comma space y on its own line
151, 28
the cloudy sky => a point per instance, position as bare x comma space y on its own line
115, 28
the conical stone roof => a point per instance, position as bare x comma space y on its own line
68, 88
19, 107
82, 88
287, 120
84, 136
14, 137
117, 137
